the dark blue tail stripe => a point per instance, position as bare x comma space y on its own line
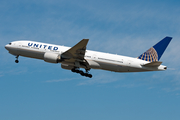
161, 46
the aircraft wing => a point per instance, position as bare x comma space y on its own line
76, 53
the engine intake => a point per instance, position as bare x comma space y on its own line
52, 57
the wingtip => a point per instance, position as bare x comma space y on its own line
169, 37
85, 39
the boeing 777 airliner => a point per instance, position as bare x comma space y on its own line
76, 57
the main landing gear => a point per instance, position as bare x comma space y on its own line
16, 61
76, 70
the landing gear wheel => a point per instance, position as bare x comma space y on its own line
73, 70
82, 73
16, 61
86, 74
76, 70
89, 75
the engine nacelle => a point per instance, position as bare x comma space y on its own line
52, 57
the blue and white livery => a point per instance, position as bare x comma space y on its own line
76, 57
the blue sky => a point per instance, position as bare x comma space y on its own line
34, 89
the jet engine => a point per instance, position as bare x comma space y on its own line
52, 57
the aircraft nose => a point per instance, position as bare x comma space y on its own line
6, 46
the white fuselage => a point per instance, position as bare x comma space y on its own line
96, 60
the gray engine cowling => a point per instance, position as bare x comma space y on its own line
52, 57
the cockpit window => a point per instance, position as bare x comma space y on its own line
9, 43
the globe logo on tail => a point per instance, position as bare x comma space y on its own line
150, 55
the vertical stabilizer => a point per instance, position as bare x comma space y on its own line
155, 52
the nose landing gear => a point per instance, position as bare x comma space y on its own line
17, 61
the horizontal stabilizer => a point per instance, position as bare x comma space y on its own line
153, 64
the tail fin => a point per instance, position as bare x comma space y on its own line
155, 52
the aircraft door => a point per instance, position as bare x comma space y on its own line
129, 62
94, 57
19, 44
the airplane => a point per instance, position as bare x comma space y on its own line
77, 57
